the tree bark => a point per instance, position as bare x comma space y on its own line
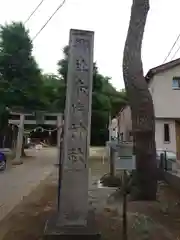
142, 110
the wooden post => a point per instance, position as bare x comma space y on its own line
112, 161
19, 144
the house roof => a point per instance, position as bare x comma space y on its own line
122, 109
161, 68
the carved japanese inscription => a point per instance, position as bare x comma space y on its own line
74, 187
78, 124
78, 107
82, 43
76, 155
81, 65
78, 131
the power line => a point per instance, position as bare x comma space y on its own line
175, 53
172, 49
61, 5
33, 12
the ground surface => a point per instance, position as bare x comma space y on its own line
18, 181
152, 220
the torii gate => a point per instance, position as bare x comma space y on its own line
38, 119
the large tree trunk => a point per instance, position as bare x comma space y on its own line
143, 122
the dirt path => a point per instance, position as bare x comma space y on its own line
158, 220
18, 181
26, 221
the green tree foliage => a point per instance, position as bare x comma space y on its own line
54, 90
21, 77
63, 64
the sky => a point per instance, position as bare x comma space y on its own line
109, 20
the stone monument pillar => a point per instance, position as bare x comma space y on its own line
74, 217
74, 186
59, 130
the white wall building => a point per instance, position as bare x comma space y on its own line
164, 86
113, 129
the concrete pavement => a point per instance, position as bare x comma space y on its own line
19, 181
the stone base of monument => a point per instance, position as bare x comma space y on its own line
88, 232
